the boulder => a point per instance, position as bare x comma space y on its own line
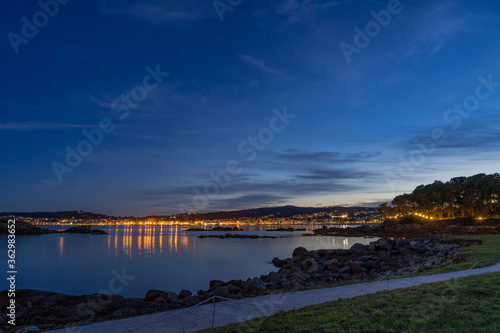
216, 284
306, 264
152, 294
28, 329
279, 262
358, 246
300, 251
169, 296
185, 294
254, 284
332, 265
358, 269
220, 291
407, 252
190, 301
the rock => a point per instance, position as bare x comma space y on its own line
306, 264
220, 291
279, 262
358, 246
300, 251
169, 296
28, 329
184, 294
407, 252
344, 270
190, 301
284, 273
117, 314
152, 294
254, 284
159, 300
216, 284
385, 243
332, 265
358, 269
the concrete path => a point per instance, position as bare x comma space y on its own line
201, 317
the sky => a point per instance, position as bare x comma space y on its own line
165, 107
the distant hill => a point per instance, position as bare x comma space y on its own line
58, 215
276, 212
272, 212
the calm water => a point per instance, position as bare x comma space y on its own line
158, 257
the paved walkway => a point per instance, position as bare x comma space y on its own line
202, 317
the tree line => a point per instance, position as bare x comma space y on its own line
476, 196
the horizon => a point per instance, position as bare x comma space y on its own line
141, 108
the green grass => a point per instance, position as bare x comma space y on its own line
470, 304
488, 253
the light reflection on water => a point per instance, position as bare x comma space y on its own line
160, 257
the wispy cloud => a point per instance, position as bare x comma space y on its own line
325, 156
32, 125
300, 10
160, 12
259, 64
434, 27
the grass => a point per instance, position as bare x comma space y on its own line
470, 304
488, 253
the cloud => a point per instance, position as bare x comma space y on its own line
300, 10
33, 125
434, 27
259, 64
293, 155
160, 12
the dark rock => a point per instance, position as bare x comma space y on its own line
358, 246
408, 252
216, 284
184, 294
358, 269
169, 296
300, 251
27, 329
152, 294
254, 284
190, 301
279, 262
220, 291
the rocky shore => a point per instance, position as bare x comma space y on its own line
321, 268
25, 228
413, 227
237, 236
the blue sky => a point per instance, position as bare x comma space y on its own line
358, 129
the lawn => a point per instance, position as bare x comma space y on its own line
470, 304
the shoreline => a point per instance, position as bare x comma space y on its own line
304, 269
